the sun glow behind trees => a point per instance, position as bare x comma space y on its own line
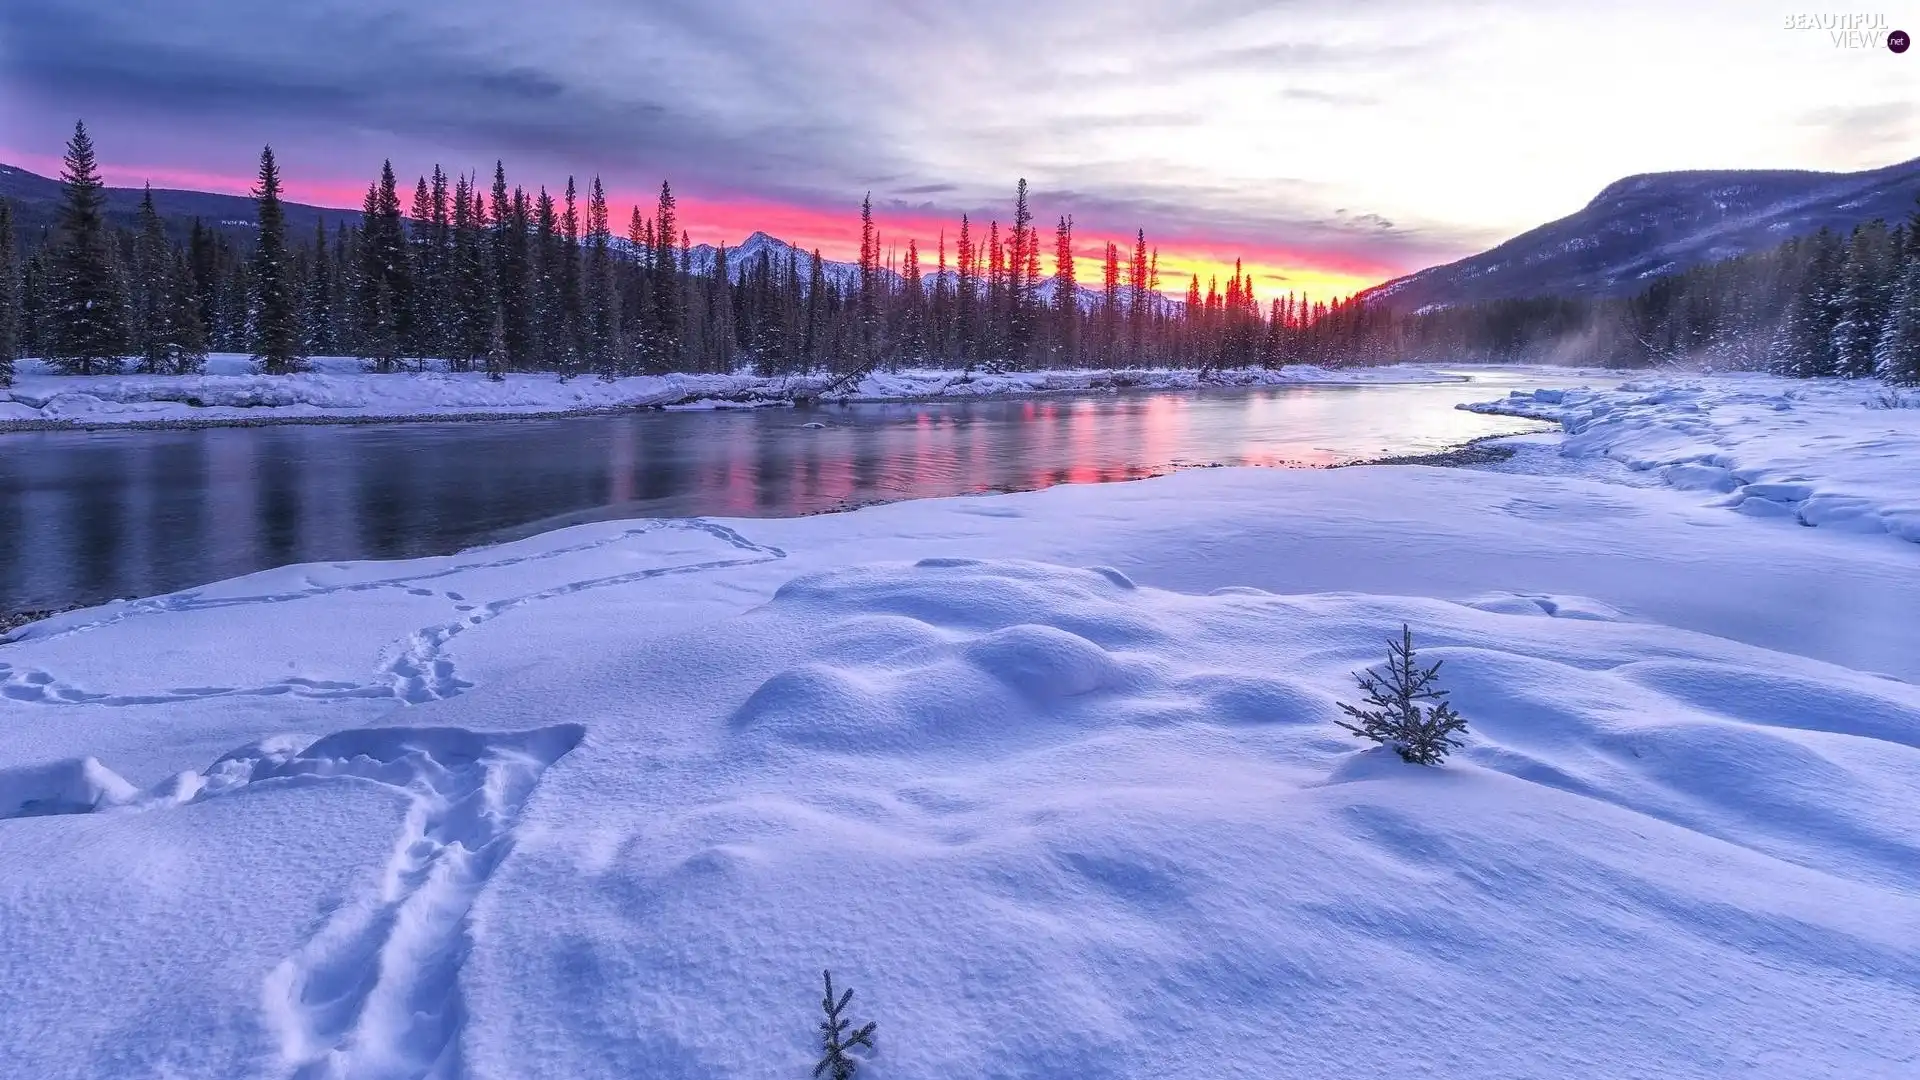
1275, 265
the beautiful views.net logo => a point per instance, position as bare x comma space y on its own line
1853, 31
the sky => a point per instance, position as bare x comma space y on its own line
1331, 145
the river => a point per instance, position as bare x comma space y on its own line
90, 516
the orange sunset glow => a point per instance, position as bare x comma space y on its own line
1275, 268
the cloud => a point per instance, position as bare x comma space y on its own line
724, 96
1214, 122
1857, 134
468, 77
1327, 97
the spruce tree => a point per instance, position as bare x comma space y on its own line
151, 294
184, 338
31, 323
87, 316
835, 1063
602, 297
422, 259
550, 347
693, 314
940, 307
814, 346
1406, 710
869, 286
33, 304
1897, 358
384, 283
317, 307
1860, 302
1022, 267
496, 355
430, 244
1066, 295
912, 340
373, 299
1913, 230
1139, 311
720, 323
966, 297
203, 255
276, 308
438, 307
572, 306
9, 295
1802, 345
475, 308
668, 320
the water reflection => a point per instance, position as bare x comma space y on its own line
89, 516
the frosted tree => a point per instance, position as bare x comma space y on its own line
275, 312
722, 330
9, 296
669, 318
152, 263
496, 356
317, 305
1860, 304
601, 292
1404, 709
183, 349
1897, 357
834, 1041
87, 316
385, 284
1802, 345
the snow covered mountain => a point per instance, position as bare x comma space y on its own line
741, 258
1657, 223
744, 256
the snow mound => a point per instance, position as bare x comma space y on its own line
1557, 607
75, 786
1808, 451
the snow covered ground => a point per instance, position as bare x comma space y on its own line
338, 387
1824, 452
1050, 779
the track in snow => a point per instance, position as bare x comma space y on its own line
419, 671
374, 993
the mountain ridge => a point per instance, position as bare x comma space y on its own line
1641, 226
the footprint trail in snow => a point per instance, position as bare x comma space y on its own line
374, 993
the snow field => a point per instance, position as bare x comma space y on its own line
1041, 818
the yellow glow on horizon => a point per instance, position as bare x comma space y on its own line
1270, 280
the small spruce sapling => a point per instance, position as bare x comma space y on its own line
1407, 711
834, 1043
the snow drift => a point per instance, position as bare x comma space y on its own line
1813, 451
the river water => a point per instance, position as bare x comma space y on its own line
89, 516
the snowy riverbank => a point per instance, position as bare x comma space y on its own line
337, 389
1826, 452
1049, 779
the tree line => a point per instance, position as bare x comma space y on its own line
495, 278
488, 277
1823, 305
